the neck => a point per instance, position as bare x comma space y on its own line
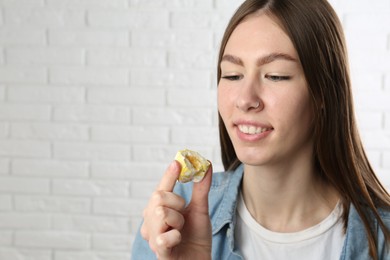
289, 198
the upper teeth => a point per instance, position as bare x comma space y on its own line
250, 129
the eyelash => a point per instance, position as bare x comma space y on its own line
277, 78
232, 77
274, 78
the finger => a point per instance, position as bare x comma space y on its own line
168, 181
201, 191
165, 242
167, 199
168, 218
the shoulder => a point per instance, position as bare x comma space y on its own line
356, 244
385, 215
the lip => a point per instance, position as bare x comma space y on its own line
253, 137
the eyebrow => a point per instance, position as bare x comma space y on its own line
261, 61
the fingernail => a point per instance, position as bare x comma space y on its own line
173, 166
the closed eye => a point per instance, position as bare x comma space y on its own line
232, 77
277, 77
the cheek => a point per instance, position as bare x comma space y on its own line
225, 100
296, 112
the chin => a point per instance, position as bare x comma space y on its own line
252, 157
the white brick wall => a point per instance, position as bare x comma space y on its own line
96, 96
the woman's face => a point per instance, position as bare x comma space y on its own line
263, 95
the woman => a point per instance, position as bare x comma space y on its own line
298, 184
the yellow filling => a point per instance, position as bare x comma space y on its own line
193, 166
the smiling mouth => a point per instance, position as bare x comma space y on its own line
253, 130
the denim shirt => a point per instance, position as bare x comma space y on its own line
222, 209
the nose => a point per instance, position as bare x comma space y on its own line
249, 98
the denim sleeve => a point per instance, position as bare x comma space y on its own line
141, 249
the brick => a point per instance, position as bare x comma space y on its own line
195, 136
89, 38
133, 96
52, 239
387, 121
2, 92
49, 131
135, 223
361, 5
92, 255
42, 56
132, 170
94, 224
369, 120
370, 81
92, 151
46, 94
132, 134
23, 185
22, 37
370, 41
23, 254
386, 160
24, 221
4, 166
376, 140
49, 168
1, 51
5, 203
194, 19
387, 80
192, 98
377, 19
5, 240
23, 75
170, 116
52, 204
104, 188
40, 17
374, 61
126, 57
142, 189
111, 242
372, 100
172, 40
89, 76
129, 19
171, 4
24, 112
231, 5
374, 156
22, 3
118, 207
92, 113
90, 4
172, 78
27, 148
192, 60
4, 129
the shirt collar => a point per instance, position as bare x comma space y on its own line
226, 211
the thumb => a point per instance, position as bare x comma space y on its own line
200, 192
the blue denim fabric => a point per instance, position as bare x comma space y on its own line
222, 207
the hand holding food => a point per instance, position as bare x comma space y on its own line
173, 228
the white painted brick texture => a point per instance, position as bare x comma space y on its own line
96, 97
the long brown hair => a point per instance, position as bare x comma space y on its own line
317, 35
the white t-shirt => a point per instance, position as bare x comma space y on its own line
323, 241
